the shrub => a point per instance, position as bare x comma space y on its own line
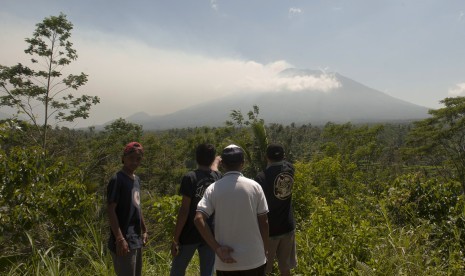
41, 197
333, 240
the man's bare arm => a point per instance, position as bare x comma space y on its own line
183, 214
223, 251
122, 247
264, 230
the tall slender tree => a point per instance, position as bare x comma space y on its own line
41, 93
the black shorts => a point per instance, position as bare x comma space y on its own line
259, 271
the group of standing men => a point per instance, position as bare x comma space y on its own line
238, 226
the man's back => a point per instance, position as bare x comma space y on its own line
236, 202
277, 181
193, 185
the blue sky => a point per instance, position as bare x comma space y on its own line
161, 56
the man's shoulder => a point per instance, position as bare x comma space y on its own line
282, 166
249, 181
190, 174
116, 176
260, 175
200, 177
203, 174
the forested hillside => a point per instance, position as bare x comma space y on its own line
369, 199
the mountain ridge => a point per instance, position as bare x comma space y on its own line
350, 102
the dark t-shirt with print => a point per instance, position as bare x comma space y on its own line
277, 181
193, 185
125, 192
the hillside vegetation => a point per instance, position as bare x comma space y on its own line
369, 199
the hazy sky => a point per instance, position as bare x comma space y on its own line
160, 56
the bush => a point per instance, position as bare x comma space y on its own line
333, 240
162, 214
41, 197
412, 197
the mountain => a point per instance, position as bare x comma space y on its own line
349, 102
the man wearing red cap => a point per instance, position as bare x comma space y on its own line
128, 231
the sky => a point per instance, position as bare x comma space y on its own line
160, 56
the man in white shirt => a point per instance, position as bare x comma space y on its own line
241, 222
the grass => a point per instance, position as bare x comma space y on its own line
90, 257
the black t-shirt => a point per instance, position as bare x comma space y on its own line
126, 193
277, 181
193, 185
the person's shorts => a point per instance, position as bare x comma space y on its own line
282, 248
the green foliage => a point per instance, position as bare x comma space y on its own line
40, 262
251, 136
359, 208
412, 198
14, 132
407, 251
333, 239
414, 249
91, 251
163, 211
358, 145
438, 140
425, 222
41, 197
303, 193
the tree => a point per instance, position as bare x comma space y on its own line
253, 141
29, 90
440, 140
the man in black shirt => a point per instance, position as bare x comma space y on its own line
128, 232
186, 239
277, 181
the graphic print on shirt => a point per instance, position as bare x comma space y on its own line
202, 185
283, 185
136, 197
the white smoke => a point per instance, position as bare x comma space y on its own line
267, 78
458, 90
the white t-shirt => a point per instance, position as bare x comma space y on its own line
236, 202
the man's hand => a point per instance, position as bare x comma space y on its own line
216, 163
122, 247
224, 253
174, 249
145, 238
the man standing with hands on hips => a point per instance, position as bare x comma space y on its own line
241, 223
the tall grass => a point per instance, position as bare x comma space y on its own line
330, 242
91, 257
40, 262
91, 252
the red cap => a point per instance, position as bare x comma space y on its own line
132, 147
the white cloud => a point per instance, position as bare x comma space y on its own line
130, 76
214, 4
461, 15
458, 90
294, 11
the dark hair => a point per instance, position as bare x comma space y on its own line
205, 154
232, 155
275, 152
234, 166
